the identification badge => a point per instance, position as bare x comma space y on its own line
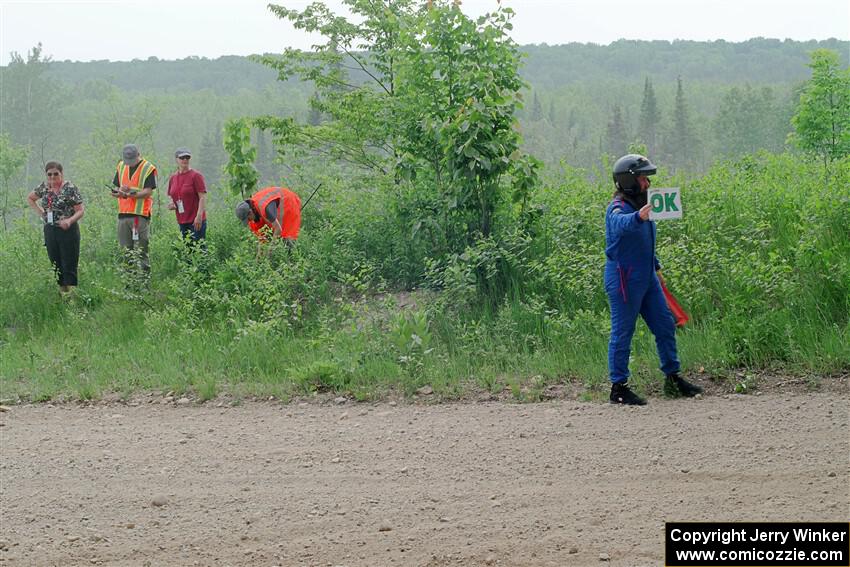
135, 233
49, 217
180, 206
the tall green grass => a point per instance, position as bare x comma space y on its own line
761, 260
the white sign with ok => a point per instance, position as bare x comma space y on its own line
665, 203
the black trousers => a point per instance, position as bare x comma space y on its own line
63, 249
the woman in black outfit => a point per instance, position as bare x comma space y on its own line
60, 205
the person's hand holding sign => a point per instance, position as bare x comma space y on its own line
665, 203
643, 213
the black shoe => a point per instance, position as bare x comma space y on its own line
675, 386
622, 394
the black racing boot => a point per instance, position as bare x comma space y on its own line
622, 394
675, 386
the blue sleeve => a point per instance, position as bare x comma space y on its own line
620, 222
655, 261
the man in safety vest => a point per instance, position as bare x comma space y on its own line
135, 180
272, 210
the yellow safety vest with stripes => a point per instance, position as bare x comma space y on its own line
129, 205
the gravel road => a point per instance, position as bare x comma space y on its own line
552, 483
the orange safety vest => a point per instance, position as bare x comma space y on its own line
128, 205
288, 212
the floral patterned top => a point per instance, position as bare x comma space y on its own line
61, 203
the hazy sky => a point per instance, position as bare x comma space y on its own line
125, 30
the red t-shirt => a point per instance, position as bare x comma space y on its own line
186, 187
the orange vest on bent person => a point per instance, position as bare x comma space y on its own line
288, 211
128, 205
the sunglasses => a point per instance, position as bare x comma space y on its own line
53, 174
184, 157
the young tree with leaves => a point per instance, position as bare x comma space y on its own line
31, 102
418, 92
242, 175
822, 120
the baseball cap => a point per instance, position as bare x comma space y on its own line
130, 152
243, 209
182, 152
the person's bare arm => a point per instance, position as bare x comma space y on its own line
32, 200
202, 206
140, 194
67, 223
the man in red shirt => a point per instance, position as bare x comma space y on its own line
188, 194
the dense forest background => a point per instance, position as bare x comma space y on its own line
690, 103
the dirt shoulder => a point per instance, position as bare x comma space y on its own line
553, 483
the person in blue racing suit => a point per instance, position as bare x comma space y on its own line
632, 283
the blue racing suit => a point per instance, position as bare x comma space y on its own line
633, 288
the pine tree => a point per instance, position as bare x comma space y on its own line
616, 134
650, 116
682, 144
572, 121
536, 109
314, 114
212, 157
265, 159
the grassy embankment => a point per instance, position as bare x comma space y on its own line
761, 260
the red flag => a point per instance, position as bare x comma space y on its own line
678, 313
